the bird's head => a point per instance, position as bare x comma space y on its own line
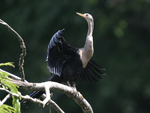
87, 16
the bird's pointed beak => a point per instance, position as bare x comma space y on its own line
82, 15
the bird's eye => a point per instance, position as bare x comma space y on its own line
86, 14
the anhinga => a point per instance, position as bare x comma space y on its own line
69, 64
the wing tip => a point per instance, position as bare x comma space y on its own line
104, 74
61, 31
103, 68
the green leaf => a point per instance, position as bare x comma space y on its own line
16, 104
7, 64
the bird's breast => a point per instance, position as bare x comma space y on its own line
85, 56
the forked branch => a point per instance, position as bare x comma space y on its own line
70, 92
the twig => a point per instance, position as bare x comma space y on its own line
5, 99
11, 75
54, 105
27, 97
23, 47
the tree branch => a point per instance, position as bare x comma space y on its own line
69, 91
23, 47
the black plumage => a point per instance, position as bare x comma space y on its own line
63, 59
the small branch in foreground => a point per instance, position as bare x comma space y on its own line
54, 105
5, 99
27, 97
23, 47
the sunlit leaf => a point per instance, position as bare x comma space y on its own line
7, 64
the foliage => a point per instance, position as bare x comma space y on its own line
6, 83
7, 64
6, 109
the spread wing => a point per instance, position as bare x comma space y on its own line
58, 52
91, 72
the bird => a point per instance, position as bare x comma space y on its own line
69, 64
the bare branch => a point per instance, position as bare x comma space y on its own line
5, 99
23, 47
27, 97
54, 105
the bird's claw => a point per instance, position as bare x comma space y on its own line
75, 92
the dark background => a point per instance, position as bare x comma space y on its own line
121, 42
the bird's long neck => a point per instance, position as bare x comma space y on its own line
90, 28
88, 47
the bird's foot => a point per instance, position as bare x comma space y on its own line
75, 92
